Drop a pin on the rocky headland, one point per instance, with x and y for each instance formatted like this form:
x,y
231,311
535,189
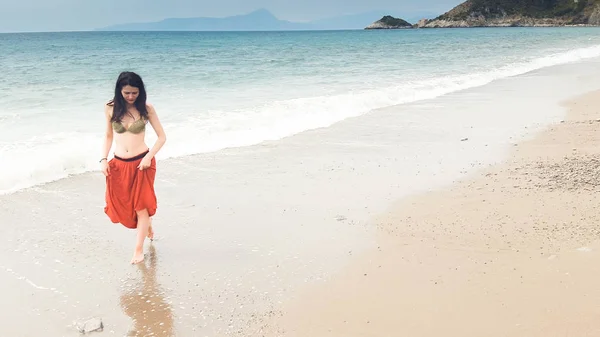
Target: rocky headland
x,y
507,13
389,22
518,13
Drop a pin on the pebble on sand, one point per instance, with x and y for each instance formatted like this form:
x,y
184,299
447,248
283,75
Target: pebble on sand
x,y
91,325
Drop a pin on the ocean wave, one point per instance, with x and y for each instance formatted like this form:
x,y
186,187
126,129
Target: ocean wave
x,y
43,159
279,119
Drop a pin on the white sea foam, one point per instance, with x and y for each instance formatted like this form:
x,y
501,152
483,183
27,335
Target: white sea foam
x,y
25,163
279,119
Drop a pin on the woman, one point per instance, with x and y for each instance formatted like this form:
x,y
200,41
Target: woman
x,y
130,197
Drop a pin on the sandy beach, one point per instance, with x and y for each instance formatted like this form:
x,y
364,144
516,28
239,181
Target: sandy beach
x,y
512,250
469,214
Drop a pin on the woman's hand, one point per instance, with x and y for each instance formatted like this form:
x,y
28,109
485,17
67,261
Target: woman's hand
x,y
146,162
104,167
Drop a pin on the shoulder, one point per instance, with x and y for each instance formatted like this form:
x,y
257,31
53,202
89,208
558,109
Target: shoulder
x,y
108,108
150,108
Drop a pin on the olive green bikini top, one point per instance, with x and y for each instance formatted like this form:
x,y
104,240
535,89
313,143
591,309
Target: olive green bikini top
x,y
135,127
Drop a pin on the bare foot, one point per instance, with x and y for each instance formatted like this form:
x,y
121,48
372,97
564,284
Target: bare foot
x,y
138,257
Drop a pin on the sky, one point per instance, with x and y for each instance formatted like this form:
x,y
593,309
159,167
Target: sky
x,y
66,15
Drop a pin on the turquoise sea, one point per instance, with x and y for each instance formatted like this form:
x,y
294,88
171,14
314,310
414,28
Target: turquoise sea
x,y
216,90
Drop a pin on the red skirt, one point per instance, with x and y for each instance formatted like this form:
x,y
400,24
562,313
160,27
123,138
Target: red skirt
x,y
129,190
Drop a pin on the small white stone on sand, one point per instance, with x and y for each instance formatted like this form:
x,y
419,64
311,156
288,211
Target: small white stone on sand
x,y
91,325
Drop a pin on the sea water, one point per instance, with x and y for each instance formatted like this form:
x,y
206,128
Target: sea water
x,y
216,90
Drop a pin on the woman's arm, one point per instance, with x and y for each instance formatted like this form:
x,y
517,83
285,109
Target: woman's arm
x,y
108,139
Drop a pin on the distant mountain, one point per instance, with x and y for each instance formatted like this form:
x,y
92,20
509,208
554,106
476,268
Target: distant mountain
x,y
261,20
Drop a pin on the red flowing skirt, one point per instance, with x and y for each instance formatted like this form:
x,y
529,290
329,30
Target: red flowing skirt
x,y
129,189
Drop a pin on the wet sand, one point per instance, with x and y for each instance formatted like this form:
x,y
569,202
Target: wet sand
x,y
241,233
514,250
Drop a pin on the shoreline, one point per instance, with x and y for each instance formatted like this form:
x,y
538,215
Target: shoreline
x,y
510,250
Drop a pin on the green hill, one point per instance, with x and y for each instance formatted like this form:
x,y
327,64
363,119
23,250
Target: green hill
x,y
520,13
389,22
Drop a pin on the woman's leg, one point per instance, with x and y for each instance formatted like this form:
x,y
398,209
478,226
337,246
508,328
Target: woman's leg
x,y
150,231
142,231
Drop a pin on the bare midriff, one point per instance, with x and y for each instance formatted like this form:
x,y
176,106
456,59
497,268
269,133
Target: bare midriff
x,y
129,144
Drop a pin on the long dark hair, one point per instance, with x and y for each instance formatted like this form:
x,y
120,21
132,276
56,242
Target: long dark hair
x,y
118,102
